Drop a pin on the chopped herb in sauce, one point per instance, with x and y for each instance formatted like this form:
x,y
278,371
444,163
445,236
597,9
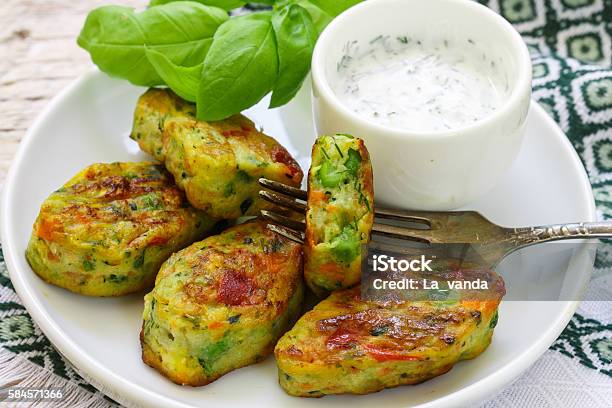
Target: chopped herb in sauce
x,y
425,85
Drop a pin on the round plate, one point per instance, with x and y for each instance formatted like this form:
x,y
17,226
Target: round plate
x,y
90,122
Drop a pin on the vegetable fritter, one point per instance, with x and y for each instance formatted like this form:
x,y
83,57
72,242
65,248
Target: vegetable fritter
x,y
154,107
340,212
107,231
218,164
348,345
222,304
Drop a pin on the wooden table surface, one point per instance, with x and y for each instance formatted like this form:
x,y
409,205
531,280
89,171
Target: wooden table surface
x,y
38,58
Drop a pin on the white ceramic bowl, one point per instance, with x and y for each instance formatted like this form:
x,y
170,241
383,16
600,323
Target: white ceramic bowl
x,y
435,170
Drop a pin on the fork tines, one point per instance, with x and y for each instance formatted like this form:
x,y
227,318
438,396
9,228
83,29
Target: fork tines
x,y
283,188
287,233
283,201
287,197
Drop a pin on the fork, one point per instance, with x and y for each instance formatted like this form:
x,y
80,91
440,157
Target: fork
x,y
490,241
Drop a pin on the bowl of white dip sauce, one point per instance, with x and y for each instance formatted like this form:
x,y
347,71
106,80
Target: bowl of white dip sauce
x,y
438,89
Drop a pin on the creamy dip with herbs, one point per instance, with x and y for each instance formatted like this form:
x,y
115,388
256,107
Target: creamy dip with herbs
x,y
420,86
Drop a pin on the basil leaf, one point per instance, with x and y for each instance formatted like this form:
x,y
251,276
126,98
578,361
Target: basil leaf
x,y
334,7
116,37
182,80
224,4
295,38
320,18
240,68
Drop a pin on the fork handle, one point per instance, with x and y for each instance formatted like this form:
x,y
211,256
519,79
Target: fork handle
x,y
582,230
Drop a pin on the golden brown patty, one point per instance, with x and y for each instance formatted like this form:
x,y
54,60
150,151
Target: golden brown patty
x,y
349,345
107,230
218,164
221,304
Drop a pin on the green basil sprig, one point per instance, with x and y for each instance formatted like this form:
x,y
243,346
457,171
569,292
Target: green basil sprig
x,y
224,4
117,37
334,7
224,64
183,81
240,68
295,37
319,17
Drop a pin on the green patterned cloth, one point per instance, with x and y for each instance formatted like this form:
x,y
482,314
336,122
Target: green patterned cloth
x,y
571,46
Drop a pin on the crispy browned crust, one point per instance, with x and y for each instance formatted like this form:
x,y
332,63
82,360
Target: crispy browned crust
x,y
247,271
218,163
349,345
91,235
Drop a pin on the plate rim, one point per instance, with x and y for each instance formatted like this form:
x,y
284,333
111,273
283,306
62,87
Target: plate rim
x,y
125,391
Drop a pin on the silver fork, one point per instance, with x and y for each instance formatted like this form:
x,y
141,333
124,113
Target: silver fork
x,y
490,241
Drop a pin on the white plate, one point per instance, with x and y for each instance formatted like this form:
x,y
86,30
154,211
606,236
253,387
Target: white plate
x,y
90,121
